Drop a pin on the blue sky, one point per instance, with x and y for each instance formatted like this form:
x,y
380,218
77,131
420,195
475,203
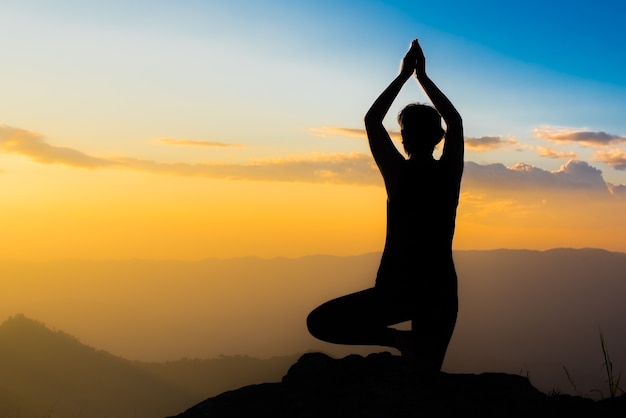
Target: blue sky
x,y
523,63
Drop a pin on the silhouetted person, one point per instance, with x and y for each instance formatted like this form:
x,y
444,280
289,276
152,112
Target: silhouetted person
x,y
416,279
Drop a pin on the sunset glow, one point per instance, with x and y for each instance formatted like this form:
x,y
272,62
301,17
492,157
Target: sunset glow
x,y
181,131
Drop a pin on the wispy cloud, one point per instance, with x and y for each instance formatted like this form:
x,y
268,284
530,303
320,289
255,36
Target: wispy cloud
x,y
32,145
195,143
329,131
341,168
487,143
353,168
615,158
584,137
483,143
552,153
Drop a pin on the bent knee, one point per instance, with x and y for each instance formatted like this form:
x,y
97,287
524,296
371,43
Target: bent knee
x,y
314,324
319,326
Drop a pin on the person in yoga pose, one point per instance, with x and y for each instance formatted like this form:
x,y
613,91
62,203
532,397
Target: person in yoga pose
x,y
416,280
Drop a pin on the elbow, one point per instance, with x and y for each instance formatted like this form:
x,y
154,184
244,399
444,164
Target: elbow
x,y
454,121
371,119
455,117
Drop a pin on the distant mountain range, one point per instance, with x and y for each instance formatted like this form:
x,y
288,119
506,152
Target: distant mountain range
x,y
538,312
535,313
47,373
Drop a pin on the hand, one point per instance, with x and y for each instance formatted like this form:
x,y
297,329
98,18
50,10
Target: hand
x,y
408,65
420,60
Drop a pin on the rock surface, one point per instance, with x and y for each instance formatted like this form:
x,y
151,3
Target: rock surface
x,y
381,386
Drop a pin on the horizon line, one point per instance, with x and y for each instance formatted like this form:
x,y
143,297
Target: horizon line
x,y
282,257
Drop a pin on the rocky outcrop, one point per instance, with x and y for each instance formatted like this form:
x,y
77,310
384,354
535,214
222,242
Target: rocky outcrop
x,y
380,385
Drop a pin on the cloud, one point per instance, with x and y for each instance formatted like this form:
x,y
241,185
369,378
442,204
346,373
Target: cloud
x,y
615,158
486,206
617,189
579,175
327,131
195,143
573,175
552,153
588,138
483,143
487,143
32,146
354,168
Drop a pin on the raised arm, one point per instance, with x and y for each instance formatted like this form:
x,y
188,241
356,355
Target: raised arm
x,y
386,155
453,147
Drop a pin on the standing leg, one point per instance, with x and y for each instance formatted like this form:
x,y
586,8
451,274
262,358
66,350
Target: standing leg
x,y
430,334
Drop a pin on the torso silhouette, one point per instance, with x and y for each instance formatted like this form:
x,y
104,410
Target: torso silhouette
x,y
421,212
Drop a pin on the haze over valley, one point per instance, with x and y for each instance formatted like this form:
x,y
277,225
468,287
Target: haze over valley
x,y
527,312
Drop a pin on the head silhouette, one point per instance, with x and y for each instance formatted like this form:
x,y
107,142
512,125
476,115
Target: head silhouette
x,y
420,126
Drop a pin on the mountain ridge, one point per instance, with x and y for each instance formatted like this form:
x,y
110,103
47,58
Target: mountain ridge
x,y
47,372
57,371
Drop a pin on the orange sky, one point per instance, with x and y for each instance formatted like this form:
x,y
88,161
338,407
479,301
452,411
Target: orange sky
x,y
61,212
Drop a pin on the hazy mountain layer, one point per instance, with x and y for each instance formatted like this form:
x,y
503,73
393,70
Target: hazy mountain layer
x,y
527,312
50,373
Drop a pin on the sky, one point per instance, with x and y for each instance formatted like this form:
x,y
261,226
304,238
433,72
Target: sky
x,y
191,129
